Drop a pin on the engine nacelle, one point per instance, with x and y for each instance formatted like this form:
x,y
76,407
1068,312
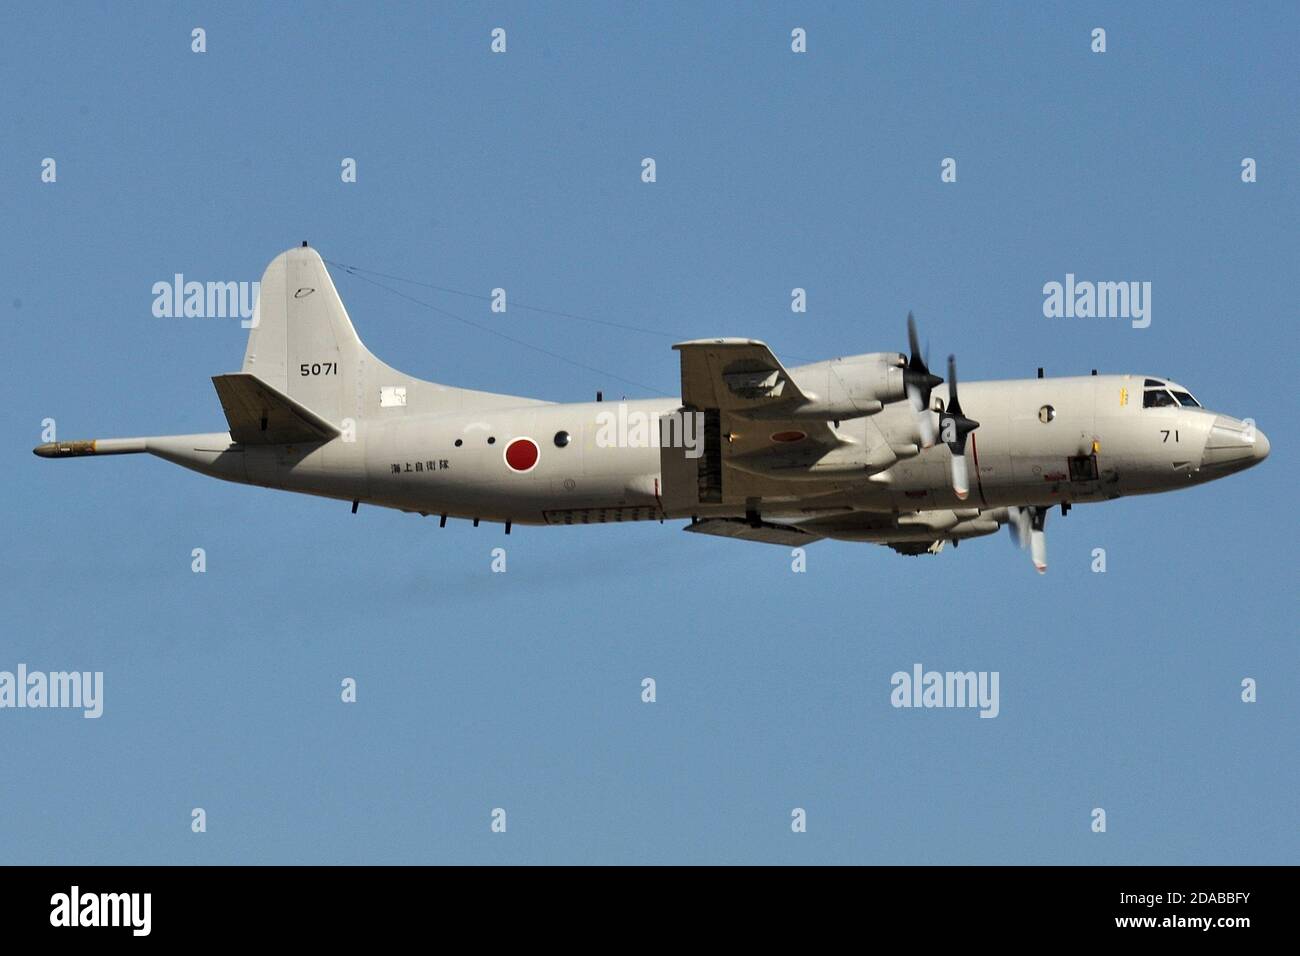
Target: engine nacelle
x,y
847,387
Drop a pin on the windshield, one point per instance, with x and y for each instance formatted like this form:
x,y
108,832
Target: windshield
x,y
1157,398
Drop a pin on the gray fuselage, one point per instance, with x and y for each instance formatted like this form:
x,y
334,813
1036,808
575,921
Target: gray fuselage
x,y
455,464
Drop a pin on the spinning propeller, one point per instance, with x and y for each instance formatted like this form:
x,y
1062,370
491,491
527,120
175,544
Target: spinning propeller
x,y
1026,527
953,429
919,382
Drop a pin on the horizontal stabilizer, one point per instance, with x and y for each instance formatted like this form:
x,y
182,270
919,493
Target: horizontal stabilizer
x,y
260,415
765,531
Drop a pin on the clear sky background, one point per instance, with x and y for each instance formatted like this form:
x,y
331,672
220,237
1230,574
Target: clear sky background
x,y
522,690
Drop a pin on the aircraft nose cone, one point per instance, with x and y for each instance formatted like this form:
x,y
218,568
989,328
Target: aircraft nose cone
x,y
1233,445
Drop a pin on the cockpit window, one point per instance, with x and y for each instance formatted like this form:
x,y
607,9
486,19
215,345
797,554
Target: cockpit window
x,y
1157,398
1185,399
1154,383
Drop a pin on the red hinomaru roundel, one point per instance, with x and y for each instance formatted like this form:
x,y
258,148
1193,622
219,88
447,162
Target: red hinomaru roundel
x,y
522,454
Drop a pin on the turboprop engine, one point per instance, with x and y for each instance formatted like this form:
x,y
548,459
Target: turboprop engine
x,y
844,388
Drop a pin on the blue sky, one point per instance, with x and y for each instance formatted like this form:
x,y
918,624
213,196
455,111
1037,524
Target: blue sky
x,y
522,690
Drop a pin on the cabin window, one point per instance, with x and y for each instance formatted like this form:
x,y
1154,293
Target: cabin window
x,y
1157,398
561,439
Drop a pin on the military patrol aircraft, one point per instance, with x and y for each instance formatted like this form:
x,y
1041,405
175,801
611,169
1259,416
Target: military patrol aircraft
x,y
858,448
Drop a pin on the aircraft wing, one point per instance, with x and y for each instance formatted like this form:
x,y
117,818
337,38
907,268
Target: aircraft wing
x,y
735,375
765,531
756,446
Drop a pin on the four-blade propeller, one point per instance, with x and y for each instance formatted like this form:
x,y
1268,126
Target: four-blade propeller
x,y
1025,524
953,429
1027,528
919,382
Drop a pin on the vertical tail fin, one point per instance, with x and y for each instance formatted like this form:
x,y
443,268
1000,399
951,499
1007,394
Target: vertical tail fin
x,y
302,342
303,345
